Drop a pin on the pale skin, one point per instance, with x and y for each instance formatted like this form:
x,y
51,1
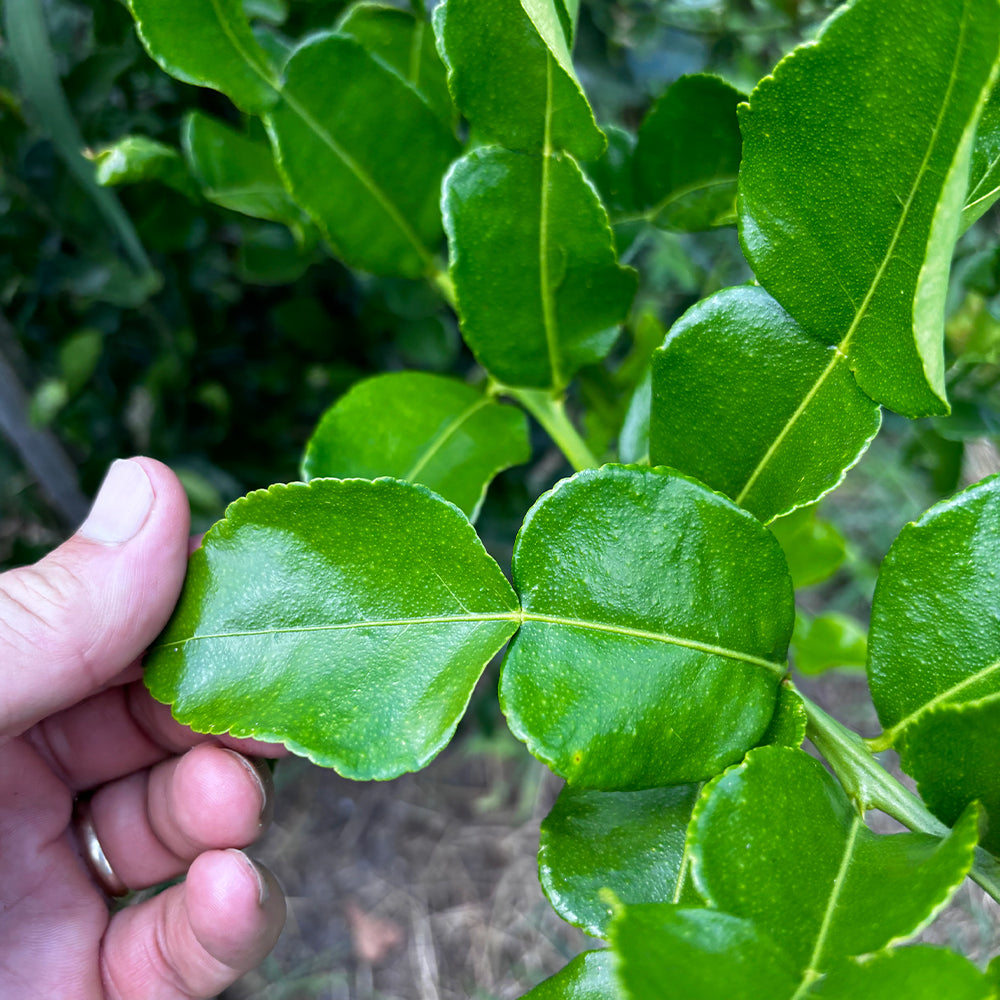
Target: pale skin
x,y
75,719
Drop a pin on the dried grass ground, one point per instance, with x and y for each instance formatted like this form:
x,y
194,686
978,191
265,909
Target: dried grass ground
x,y
423,888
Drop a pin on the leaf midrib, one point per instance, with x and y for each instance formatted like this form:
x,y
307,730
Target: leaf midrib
x,y
548,305
449,431
362,175
812,971
840,352
891,735
518,617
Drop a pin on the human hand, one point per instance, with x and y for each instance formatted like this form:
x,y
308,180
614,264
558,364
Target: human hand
x,y
75,718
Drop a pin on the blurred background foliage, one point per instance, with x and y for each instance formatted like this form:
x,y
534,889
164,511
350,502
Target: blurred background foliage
x,y
220,357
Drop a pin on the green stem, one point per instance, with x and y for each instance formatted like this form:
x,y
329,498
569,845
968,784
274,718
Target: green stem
x,y
872,787
441,280
550,412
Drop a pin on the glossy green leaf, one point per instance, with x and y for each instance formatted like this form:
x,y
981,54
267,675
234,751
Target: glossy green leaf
x,y
629,842
137,158
612,174
664,951
511,75
644,659
952,751
788,724
813,547
917,973
587,977
340,154
747,402
422,428
934,637
849,208
209,45
775,840
539,288
235,171
984,172
688,155
406,43
827,641
348,620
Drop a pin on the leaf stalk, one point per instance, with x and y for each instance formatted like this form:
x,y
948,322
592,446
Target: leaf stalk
x,y
550,412
870,786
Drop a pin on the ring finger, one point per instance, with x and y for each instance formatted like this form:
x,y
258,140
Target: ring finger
x,y
153,824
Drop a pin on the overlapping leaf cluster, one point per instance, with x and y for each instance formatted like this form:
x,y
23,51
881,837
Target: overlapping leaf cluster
x,y
648,624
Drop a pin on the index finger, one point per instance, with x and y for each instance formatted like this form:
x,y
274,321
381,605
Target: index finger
x,y
121,730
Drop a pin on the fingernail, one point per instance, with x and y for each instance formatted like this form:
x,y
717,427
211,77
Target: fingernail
x,y
121,506
261,774
263,893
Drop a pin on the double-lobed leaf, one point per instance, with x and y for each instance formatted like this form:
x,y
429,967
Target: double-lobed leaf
x,y
666,951
628,843
511,75
984,171
849,209
423,428
236,171
350,619
209,45
406,43
588,977
934,651
539,288
339,153
643,659
662,950
687,157
746,401
776,841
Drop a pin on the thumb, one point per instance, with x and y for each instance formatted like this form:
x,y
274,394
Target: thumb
x,y
86,611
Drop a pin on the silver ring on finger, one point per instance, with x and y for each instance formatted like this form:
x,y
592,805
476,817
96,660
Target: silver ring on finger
x,y
93,852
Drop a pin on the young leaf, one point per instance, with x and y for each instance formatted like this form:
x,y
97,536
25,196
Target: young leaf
x,y
984,173
629,842
747,402
587,977
933,637
348,620
826,641
511,75
951,751
341,155
644,659
236,172
137,158
664,951
849,209
688,155
422,428
209,45
406,43
917,973
539,288
775,840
